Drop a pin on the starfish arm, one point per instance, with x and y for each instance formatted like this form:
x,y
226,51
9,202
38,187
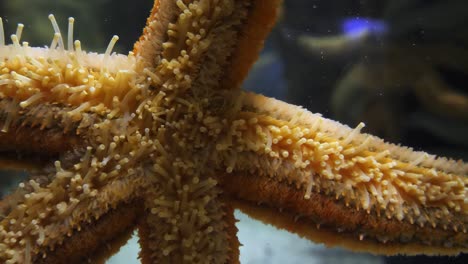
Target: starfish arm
x,y
188,224
95,242
350,184
35,135
203,46
50,97
53,214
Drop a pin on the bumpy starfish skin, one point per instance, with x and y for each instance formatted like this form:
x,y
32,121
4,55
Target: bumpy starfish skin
x,y
163,140
344,181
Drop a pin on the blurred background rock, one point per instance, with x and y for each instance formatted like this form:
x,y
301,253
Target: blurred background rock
x,y
401,66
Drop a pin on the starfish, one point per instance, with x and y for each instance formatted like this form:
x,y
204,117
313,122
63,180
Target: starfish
x,y
163,140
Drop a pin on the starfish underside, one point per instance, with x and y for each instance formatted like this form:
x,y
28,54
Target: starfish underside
x,y
163,140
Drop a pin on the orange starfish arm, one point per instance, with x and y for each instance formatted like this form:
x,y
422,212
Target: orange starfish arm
x,y
256,23
195,240
31,137
96,241
351,185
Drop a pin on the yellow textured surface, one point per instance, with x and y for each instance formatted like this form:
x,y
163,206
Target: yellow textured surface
x,y
165,124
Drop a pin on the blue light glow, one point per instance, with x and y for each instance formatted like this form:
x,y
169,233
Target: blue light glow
x,y
356,26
